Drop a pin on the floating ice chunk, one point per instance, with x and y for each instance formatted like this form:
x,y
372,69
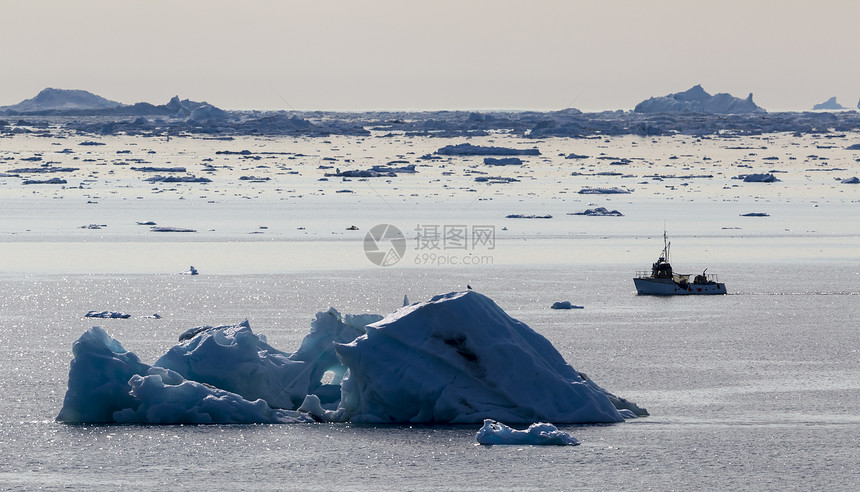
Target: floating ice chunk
x,y
106,314
854,180
170,229
151,169
493,433
755,214
503,161
522,216
178,179
44,181
758,178
469,149
598,212
564,305
495,179
588,190
43,170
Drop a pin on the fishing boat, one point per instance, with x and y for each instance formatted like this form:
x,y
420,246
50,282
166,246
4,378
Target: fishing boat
x,y
662,281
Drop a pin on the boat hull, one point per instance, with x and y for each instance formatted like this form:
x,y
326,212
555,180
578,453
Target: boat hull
x,y
667,287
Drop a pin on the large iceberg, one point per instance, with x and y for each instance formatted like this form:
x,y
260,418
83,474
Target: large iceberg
x,y
458,358
697,100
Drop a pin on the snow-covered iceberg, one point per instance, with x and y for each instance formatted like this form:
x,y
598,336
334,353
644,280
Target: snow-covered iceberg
x,y
457,358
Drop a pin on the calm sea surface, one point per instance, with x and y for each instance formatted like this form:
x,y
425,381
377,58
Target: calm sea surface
x,y
758,389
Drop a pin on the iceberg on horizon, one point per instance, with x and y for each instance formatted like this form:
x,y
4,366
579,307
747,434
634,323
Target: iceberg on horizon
x,y
828,104
455,359
697,100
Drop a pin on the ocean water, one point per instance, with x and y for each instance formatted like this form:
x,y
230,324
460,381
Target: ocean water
x,y
758,389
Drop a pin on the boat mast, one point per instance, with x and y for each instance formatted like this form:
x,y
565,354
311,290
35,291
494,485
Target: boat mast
x,y
666,245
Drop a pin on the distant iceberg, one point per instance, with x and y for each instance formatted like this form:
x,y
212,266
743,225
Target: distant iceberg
x,y
697,100
457,358
829,104
61,100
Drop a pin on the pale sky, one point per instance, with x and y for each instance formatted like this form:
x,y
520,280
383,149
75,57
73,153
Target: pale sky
x,y
407,55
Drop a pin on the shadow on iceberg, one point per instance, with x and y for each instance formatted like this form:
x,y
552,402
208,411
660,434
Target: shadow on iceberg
x,y
456,359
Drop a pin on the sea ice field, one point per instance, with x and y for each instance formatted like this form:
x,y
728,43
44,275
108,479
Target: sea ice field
x,y
756,389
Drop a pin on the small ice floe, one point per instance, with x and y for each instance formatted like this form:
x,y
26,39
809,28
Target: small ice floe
x,y
537,434
589,190
94,226
469,149
191,271
153,316
495,179
503,161
178,179
151,169
407,169
43,170
853,147
107,314
44,181
352,228
522,216
147,223
598,212
565,305
362,173
576,156
755,214
758,178
853,180
170,229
